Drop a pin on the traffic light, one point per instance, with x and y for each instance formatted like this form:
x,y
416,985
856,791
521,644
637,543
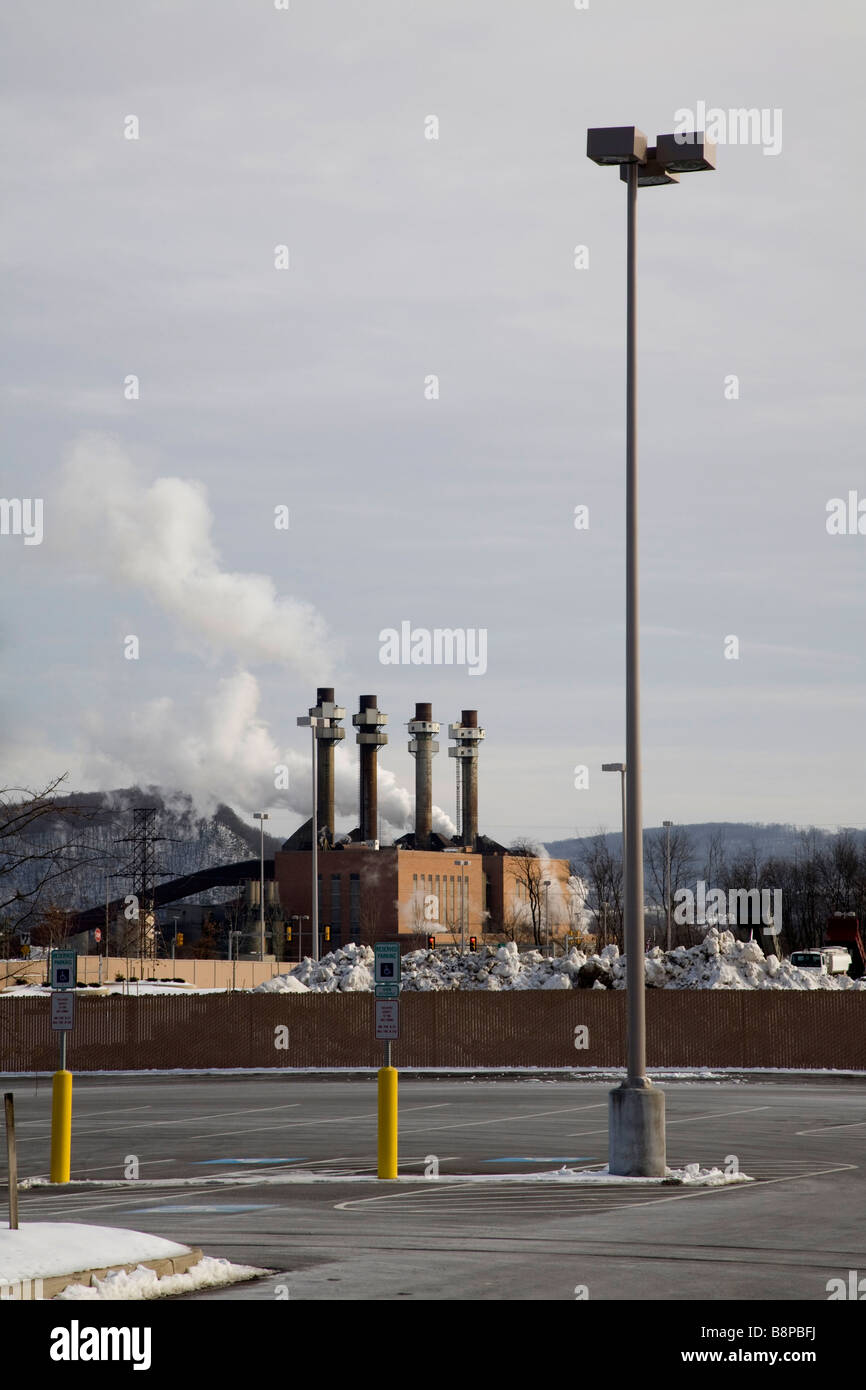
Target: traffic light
x,y
327,933
473,943
180,938
288,933
431,943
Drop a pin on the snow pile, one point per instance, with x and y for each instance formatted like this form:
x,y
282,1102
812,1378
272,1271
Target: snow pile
x,y
693,1175
144,1283
720,961
349,969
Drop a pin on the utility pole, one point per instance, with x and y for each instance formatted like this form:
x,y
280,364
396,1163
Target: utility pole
x,y
262,816
667,825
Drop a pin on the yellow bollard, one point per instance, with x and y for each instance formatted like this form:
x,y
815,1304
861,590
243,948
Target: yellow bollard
x,y
387,1122
61,1126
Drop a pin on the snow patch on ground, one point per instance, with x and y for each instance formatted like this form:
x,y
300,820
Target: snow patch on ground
x,y
693,1176
143,1283
46,1249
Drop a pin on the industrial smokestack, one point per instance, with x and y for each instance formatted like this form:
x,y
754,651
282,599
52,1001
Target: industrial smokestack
x,y
423,747
326,738
368,721
467,736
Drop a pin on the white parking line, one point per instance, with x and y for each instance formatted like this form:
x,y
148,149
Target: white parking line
x,y
306,1124
828,1129
79,1132
687,1120
505,1119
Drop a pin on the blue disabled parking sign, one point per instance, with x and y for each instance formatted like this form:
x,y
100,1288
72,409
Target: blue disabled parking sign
x,y
63,970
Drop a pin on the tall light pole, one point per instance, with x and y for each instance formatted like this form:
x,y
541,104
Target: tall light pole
x,y
667,825
463,864
637,1114
262,816
315,722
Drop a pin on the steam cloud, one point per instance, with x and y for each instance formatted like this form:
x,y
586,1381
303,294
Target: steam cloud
x,y
224,752
157,539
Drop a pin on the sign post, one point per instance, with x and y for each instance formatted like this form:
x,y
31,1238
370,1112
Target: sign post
x,y
63,976
11,1158
386,978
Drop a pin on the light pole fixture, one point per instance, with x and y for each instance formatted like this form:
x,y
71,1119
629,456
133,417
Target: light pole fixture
x,y
463,863
667,827
637,1113
315,722
262,816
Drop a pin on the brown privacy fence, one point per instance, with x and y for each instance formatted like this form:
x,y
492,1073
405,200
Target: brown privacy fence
x,y
742,1028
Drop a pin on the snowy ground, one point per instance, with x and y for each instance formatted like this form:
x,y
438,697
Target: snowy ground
x,y
720,961
44,1249
51,1249
136,987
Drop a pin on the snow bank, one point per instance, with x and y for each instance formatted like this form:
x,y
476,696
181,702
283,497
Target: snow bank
x,y
720,961
45,1249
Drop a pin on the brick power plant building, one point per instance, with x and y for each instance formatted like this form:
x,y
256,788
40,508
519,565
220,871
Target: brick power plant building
x,y
412,889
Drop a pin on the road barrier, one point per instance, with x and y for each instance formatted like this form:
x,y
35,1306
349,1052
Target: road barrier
x,y
536,1028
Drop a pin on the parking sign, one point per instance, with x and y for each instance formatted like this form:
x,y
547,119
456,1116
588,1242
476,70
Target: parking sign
x,y
387,963
63,969
387,1019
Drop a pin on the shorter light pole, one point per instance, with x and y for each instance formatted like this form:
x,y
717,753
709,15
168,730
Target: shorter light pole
x,y
261,817
463,864
234,937
174,942
621,769
547,911
667,825
300,917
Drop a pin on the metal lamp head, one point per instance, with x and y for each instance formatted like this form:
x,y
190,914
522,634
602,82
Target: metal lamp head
x,y
652,173
620,144
687,152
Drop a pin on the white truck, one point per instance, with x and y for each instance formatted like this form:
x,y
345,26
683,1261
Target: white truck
x,y
830,960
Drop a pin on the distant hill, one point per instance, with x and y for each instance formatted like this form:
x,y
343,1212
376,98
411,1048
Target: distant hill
x,y
190,843
737,837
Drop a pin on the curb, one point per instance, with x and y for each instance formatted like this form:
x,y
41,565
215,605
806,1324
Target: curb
x,y
49,1288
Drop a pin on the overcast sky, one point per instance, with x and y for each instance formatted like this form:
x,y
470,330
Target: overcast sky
x,y
304,387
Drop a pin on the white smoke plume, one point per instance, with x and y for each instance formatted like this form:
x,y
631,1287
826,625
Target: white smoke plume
x,y
157,539
223,751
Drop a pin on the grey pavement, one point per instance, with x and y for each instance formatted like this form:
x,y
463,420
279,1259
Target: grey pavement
x,y
782,1236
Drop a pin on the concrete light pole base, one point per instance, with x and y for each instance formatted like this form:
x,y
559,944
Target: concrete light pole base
x,y
636,1136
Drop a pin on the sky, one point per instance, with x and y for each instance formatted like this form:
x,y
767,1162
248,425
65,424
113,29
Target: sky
x,y
297,347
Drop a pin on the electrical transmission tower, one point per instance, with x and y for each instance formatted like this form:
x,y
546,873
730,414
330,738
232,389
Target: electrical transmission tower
x,y
141,869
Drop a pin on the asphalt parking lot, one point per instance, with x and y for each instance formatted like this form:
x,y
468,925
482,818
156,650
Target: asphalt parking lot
x,y
272,1141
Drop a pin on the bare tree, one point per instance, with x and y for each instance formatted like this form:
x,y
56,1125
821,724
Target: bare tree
x,y
526,870
33,863
682,866
601,869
